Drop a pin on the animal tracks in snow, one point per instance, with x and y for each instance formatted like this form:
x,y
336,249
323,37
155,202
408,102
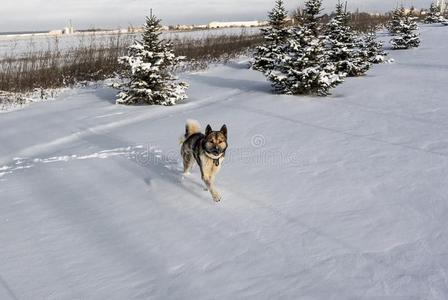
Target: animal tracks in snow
x,y
143,155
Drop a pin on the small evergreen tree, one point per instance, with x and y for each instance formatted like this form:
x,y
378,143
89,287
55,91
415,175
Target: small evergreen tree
x,y
275,36
147,78
372,49
406,38
344,46
434,15
304,67
395,24
312,10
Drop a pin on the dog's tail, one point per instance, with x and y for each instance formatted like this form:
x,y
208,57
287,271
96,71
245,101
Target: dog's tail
x,y
191,128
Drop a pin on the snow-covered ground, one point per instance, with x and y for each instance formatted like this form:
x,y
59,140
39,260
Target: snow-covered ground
x,y
343,197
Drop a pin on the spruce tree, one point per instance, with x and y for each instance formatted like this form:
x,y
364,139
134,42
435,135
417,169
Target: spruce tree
x,y
312,10
434,15
372,49
343,45
395,24
406,37
147,77
275,36
305,67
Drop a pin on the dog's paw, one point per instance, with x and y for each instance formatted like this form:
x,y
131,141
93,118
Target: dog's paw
x,y
217,198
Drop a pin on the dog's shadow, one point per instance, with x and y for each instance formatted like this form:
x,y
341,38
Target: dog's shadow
x,y
168,169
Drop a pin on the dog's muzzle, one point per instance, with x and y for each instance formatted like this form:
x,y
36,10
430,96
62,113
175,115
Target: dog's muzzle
x,y
215,151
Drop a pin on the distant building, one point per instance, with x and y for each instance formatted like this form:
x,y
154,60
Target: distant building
x,y
412,11
235,24
67,30
56,32
184,27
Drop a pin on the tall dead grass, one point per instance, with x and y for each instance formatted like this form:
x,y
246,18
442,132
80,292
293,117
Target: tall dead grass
x,y
53,68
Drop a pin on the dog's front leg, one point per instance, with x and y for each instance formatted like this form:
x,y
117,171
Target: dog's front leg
x,y
208,180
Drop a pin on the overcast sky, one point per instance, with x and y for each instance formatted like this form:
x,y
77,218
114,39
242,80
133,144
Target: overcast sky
x,y
26,15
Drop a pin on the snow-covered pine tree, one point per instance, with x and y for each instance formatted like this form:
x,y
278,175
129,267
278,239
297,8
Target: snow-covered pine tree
x,y
147,77
275,36
434,15
312,10
372,49
304,67
394,25
344,45
406,37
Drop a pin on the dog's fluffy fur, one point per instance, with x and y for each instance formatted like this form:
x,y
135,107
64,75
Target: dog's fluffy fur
x,y
208,150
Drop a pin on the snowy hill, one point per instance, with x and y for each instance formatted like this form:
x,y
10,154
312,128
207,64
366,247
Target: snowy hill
x,y
343,197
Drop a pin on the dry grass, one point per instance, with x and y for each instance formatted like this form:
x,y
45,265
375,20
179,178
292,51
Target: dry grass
x,y
364,22
214,49
359,21
53,68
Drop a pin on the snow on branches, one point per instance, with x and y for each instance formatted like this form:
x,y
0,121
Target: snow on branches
x,y
372,49
404,29
147,77
344,45
434,15
275,36
301,64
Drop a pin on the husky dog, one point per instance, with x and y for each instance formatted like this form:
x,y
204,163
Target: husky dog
x,y
207,149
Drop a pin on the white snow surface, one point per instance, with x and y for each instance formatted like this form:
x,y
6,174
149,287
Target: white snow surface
x,y
343,197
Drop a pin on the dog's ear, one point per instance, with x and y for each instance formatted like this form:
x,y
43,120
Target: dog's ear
x,y
208,129
224,130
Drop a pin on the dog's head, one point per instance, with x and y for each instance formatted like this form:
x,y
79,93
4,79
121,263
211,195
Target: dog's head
x,y
215,141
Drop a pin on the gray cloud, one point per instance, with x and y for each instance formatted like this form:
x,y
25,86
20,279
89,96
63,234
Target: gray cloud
x,y
50,14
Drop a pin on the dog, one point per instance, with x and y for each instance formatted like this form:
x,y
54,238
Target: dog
x,y
208,150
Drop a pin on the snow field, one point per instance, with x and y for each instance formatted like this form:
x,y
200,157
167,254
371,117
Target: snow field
x,y
342,197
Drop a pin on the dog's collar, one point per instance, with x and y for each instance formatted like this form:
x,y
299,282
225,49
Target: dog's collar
x,y
214,157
